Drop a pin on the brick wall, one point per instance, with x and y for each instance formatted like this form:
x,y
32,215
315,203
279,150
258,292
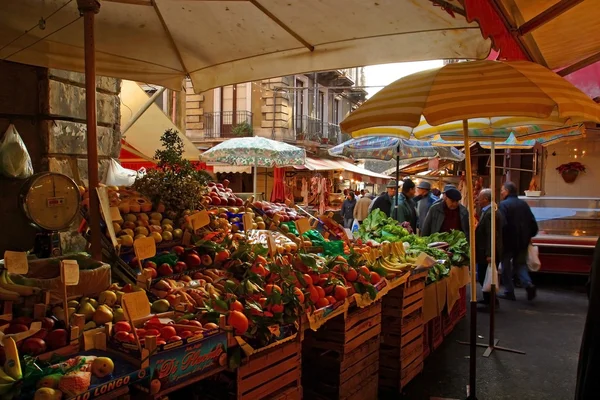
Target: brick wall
x,y
194,113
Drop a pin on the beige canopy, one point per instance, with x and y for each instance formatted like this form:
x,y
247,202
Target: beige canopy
x,y
222,42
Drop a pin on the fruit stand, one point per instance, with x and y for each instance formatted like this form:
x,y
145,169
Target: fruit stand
x,y
249,300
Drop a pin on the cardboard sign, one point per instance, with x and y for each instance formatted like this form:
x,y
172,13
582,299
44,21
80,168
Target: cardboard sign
x,y
115,214
69,272
247,221
271,244
144,248
136,305
16,262
187,238
200,219
102,192
303,226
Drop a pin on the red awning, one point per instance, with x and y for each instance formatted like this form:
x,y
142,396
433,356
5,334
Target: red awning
x,y
131,158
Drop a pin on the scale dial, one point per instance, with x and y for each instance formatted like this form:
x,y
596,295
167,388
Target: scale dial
x,y
50,201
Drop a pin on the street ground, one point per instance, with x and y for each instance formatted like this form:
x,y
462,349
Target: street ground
x,y
548,329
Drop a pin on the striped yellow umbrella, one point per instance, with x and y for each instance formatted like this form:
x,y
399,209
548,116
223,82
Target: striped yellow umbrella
x,y
484,92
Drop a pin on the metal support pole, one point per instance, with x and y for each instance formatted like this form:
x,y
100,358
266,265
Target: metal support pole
x,y
142,110
89,9
395,208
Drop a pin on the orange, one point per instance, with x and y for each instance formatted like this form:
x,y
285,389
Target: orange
x,y
364,271
277,308
323,302
314,293
260,260
236,306
259,269
222,256
298,293
321,291
331,299
340,293
375,277
238,321
351,275
307,279
270,288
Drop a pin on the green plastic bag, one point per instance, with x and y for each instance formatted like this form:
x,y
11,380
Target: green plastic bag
x,y
291,227
170,259
335,248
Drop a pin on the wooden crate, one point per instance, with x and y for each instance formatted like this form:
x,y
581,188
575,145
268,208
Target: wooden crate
x,y
426,345
341,360
272,374
436,334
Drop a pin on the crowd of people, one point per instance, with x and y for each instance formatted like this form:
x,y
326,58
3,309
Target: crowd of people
x,y
427,211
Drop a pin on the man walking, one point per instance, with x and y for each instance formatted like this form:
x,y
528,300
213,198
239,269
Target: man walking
x,y
424,200
447,215
483,239
520,227
385,200
407,211
361,210
347,210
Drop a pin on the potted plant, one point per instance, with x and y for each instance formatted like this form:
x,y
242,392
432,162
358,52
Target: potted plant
x,y
243,130
570,171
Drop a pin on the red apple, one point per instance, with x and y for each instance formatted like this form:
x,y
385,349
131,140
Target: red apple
x,y
122,326
173,339
47,323
179,250
22,320
151,272
41,334
122,336
33,346
186,334
165,269
128,288
57,338
150,264
152,332
180,266
193,261
16,328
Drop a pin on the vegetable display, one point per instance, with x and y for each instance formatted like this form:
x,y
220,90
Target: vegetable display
x,y
379,227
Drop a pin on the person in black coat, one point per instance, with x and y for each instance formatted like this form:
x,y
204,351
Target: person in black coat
x,y
588,370
385,200
483,239
520,227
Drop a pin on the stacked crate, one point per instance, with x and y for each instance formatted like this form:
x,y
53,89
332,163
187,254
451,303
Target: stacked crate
x,y
341,359
401,349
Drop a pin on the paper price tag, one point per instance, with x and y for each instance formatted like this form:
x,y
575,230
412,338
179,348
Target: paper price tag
x,y
70,272
271,244
144,248
136,305
115,214
102,192
200,219
187,238
303,226
16,262
247,221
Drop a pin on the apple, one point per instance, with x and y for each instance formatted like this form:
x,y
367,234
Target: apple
x,y
193,261
16,328
179,250
33,346
41,334
122,326
22,320
186,334
152,332
122,336
141,332
165,269
150,264
151,272
173,339
57,338
180,266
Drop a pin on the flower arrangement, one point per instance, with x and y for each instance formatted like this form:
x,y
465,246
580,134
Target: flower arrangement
x,y
571,166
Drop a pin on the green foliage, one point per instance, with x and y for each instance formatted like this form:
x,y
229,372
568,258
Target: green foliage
x,y
379,227
175,182
243,130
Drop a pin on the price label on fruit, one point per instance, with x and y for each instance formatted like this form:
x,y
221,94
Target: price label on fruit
x,y
200,219
70,272
16,262
115,214
136,305
271,244
247,221
144,248
303,226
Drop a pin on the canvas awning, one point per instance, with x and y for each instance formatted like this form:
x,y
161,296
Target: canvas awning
x,y
143,137
347,170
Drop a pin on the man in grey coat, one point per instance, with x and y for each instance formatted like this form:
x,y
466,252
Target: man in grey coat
x,y
424,199
447,215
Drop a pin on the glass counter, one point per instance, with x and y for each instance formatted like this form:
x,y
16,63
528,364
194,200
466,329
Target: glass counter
x,y
568,230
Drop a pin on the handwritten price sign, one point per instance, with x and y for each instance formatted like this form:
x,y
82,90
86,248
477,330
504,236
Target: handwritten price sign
x,y
144,248
200,219
16,262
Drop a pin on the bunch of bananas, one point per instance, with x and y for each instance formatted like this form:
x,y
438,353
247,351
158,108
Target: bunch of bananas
x,y
11,291
11,372
392,258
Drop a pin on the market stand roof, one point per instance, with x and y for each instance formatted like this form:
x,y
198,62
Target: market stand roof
x,y
217,43
349,170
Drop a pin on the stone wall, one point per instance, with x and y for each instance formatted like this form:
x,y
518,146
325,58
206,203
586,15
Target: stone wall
x,y
48,109
276,109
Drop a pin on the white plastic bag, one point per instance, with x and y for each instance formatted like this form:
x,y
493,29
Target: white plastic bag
x,y
14,157
487,282
354,228
119,176
533,258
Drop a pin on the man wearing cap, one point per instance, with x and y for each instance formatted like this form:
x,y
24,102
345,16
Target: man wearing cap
x,y
407,211
385,200
424,200
447,215
446,188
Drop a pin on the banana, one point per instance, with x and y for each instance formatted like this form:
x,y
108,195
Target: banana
x,y
8,295
20,289
12,365
5,378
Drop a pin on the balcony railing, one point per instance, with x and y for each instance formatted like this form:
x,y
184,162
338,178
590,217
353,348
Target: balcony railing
x,y
316,130
223,124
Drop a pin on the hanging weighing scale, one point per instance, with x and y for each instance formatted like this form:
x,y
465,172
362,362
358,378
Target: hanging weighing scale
x,y
51,203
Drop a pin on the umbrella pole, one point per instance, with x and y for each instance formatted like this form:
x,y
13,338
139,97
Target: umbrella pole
x,y
395,216
89,8
255,181
493,342
473,327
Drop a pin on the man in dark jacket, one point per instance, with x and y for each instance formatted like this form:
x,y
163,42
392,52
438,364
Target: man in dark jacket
x,y
588,370
424,200
407,211
447,215
520,227
385,200
483,238
347,210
